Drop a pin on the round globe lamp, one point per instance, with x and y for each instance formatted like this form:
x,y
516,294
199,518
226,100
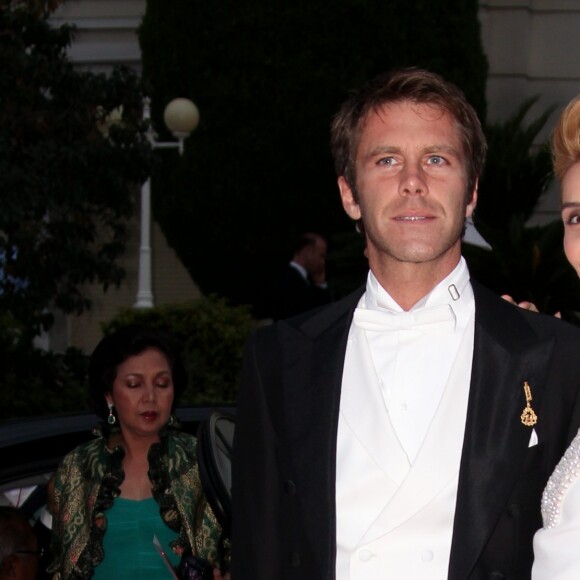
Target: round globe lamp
x,y
181,117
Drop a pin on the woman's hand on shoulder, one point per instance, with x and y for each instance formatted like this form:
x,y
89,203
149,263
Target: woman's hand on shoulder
x,y
524,304
217,575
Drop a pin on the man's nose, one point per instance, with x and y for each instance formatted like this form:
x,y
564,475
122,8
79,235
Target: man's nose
x,y
413,180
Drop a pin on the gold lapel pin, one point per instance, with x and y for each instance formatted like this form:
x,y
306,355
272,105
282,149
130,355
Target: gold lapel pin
x,y
528,417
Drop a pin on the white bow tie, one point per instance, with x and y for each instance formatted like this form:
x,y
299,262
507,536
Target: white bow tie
x,y
437,320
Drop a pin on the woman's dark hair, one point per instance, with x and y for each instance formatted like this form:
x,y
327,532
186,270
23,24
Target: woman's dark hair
x,y
116,348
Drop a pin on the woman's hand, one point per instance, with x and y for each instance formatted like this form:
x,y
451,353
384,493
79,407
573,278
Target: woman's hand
x,y
217,575
525,304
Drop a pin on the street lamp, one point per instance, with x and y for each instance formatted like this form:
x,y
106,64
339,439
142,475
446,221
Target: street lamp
x,y
181,117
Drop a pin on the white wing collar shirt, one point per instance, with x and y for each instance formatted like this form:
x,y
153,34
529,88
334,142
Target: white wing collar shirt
x,y
402,370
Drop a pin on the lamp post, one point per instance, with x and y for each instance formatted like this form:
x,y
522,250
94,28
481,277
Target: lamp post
x,y
181,117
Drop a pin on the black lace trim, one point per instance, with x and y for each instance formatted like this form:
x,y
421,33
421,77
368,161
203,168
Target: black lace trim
x,y
111,479
160,475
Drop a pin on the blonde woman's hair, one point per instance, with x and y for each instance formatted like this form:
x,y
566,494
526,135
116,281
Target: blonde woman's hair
x,y
566,139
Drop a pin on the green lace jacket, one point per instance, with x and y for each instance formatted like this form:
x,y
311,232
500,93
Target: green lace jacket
x,y
87,483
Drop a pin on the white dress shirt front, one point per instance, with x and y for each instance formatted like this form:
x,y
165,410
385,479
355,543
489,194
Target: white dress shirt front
x,y
397,458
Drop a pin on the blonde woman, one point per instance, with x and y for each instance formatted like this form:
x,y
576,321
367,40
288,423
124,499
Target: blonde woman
x,y
557,544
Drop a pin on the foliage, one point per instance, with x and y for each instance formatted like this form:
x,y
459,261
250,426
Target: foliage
x,y
517,171
212,334
267,79
35,382
526,262
66,176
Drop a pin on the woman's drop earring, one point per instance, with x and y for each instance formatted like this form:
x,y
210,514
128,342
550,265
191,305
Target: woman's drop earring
x,y
111,419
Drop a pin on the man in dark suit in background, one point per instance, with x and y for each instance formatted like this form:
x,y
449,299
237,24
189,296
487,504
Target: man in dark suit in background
x,y
303,285
406,431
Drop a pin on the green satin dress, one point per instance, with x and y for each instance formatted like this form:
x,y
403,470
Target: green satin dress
x,y
128,542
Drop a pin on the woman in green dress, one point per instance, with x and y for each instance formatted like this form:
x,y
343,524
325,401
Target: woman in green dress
x,y
129,504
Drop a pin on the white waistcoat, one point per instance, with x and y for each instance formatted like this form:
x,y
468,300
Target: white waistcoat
x,y
394,519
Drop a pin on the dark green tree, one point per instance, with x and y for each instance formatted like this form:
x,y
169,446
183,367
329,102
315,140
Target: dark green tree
x,y
517,171
67,177
267,78
68,180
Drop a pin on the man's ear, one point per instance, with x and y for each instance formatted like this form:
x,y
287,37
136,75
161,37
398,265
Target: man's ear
x,y
349,203
470,208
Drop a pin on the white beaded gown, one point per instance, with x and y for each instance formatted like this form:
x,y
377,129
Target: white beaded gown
x,y
557,544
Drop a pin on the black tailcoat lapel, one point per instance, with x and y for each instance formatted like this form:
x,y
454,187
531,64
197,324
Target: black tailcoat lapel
x,y
507,352
312,382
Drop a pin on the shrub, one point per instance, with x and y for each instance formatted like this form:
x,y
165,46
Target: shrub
x,y
212,334
35,382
